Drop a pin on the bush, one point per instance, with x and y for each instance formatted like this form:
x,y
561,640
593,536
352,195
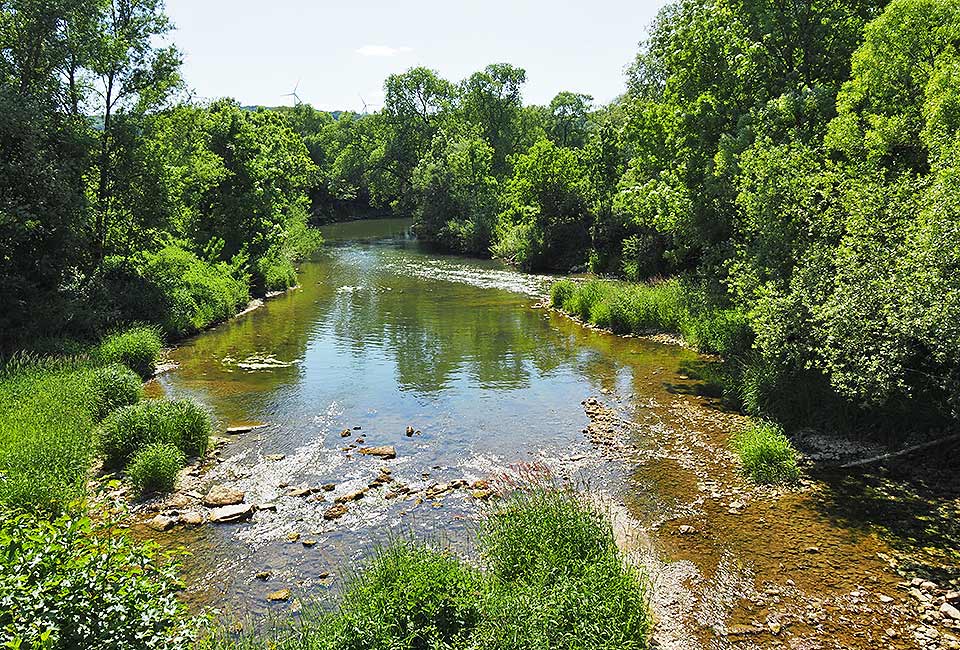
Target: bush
x,y
112,387
171,287
275,273
155,467
560,293
70,583
137,348
766,454
126,431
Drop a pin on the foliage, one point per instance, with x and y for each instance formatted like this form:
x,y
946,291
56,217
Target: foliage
x,y
766,454
545,222
181,423
155,467
137,348
112,387
554,578
70,583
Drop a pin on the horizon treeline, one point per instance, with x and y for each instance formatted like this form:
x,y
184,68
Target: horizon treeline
x,y
792,162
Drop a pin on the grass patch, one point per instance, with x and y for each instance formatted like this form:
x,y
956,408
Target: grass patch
x,y
155,467
69,583
113,387
47,411
670,306
137,348
766,454
180,423
550,576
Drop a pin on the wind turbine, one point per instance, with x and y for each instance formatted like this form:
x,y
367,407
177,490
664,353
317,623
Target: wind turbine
x,y
364,104
296,97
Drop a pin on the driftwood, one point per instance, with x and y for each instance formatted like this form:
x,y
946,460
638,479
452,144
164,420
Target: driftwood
x,y
902,452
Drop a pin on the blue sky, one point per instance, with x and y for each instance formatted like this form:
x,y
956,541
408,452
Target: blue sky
x,y
255,51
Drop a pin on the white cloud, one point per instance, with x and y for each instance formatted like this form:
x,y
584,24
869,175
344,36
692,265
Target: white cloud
x,y
382,50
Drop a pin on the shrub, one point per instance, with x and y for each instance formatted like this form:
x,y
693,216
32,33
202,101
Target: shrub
x,y
766,454
126,431
560,292
155,467
137,348
112,387
70,583
275,273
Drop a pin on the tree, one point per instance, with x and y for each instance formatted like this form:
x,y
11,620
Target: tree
x,y
567,120
491,100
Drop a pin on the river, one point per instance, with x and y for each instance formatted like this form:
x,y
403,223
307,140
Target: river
x,y
382,335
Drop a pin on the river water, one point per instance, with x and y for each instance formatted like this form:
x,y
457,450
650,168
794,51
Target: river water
x,y
383,335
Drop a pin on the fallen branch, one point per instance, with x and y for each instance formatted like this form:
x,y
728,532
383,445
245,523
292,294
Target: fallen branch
x,y
903,452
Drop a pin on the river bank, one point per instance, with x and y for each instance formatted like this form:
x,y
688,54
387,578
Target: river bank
x,y
383,337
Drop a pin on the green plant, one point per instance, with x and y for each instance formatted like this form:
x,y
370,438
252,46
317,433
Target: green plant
x,y
113,386
155,467
275,272
70,583
766,454
137,348
181,423
560,292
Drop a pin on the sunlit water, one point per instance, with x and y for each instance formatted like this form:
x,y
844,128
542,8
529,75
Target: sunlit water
x,y
384,335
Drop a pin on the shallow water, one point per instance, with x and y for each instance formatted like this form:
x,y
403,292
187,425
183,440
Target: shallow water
x,y
382,335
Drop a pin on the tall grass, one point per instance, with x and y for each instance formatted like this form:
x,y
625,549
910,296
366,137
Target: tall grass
x,y
137,348
766,454
180,423
669,306
550,576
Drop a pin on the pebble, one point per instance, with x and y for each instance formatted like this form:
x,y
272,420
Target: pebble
x,y
309,543
949,611
686,530
275,457
263,575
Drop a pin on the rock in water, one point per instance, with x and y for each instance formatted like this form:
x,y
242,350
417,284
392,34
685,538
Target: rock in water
x,y
380,452
221,495
191,518
280,594
228,514
161,523
335,512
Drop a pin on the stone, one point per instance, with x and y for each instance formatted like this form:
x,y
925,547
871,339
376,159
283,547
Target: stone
x,y
380,452
346,433
949,611
481,494
263,575
162,523
228,514
335,512
479,485
928,586
221,495
329,487
292,537
272,507
309,543
300,492
952,597
410,431
774,627
238,430
686,530
885,598
191,518
279,595
812,550
275,457
178,501
350,496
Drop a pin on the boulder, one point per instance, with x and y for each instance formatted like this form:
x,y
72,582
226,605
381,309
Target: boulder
x,y
221,495
380,452
335,512
279,595
162,523
228,514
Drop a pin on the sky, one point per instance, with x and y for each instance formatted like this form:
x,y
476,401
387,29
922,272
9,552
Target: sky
x,y
341,51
